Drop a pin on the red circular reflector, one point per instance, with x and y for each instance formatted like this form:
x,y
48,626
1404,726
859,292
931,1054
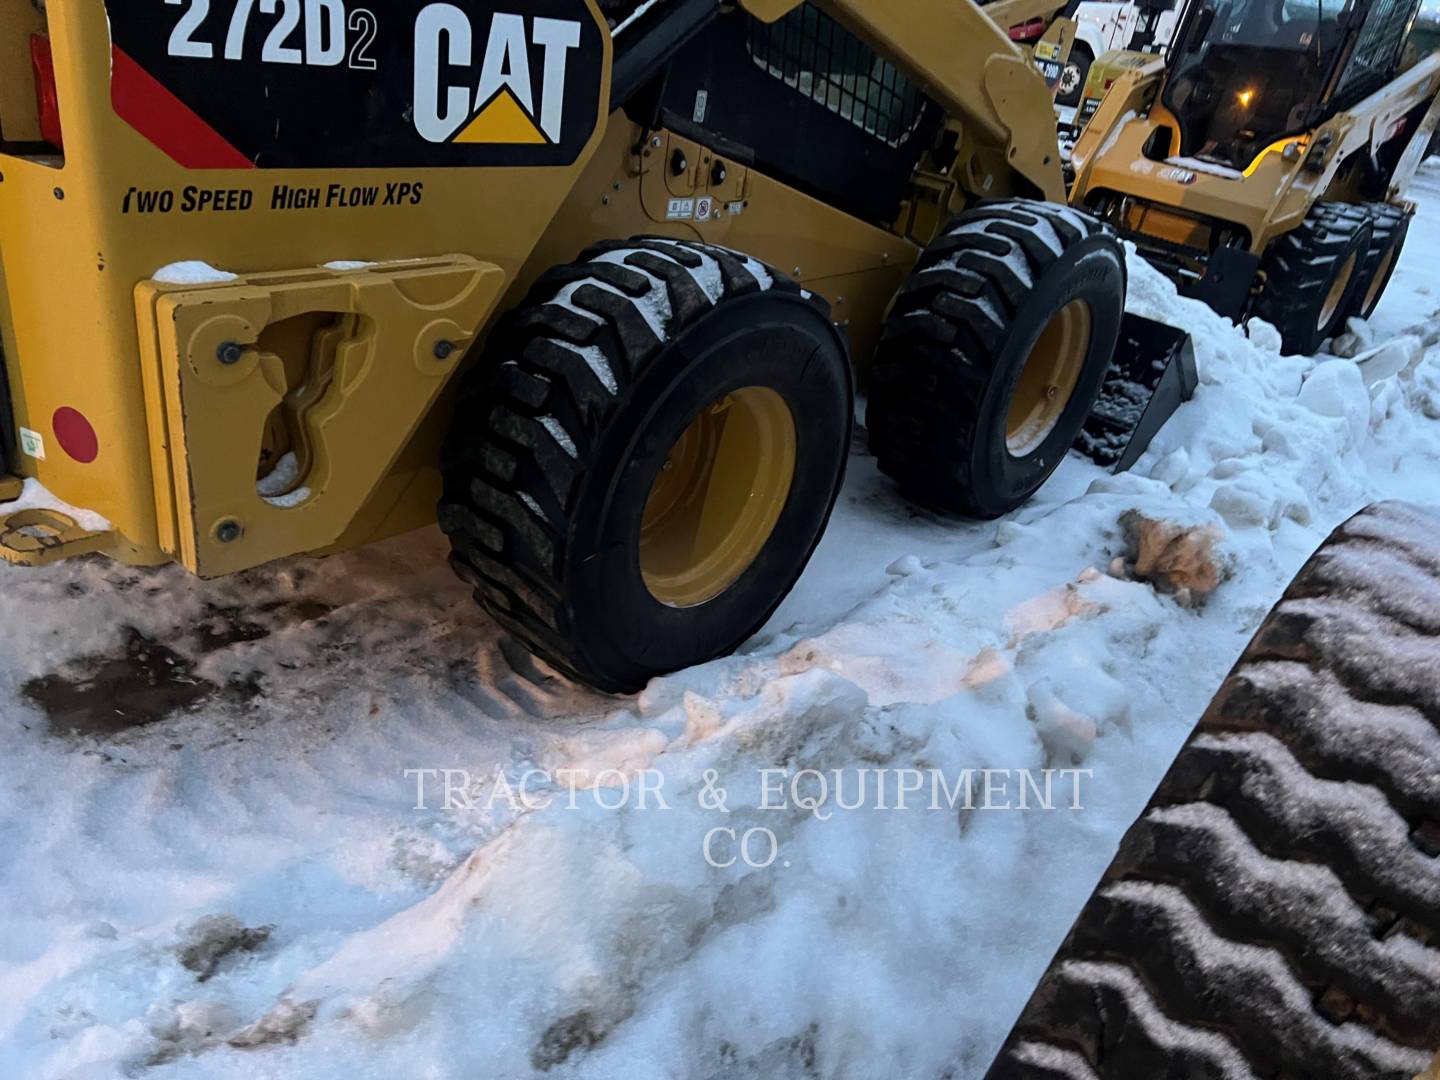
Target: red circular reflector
x,y
75,435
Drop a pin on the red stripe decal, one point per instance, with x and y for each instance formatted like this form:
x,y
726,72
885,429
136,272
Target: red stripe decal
x,y
146,105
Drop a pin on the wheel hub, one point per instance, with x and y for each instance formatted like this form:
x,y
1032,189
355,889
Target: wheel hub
x,y
1048,379
717,497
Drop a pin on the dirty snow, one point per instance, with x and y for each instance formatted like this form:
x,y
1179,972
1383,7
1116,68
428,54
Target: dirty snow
x,y
264,834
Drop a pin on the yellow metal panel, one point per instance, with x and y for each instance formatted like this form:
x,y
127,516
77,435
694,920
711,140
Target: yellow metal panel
x,y
19,120
352,394
74,245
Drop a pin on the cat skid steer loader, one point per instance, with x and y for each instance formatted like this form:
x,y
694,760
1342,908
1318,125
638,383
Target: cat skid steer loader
x,y
282,278
1263,162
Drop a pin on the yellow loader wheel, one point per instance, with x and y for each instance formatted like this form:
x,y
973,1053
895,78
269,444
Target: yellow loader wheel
x,y
1275,911
1389,226
1312,276
994,354
645,459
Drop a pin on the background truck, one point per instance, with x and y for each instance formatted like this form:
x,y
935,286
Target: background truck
x,y
1101,27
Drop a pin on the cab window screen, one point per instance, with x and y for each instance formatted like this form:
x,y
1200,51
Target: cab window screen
x,y
1377,50
810,52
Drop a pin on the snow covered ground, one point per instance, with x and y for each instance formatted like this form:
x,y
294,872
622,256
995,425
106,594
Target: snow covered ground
x,y
243,887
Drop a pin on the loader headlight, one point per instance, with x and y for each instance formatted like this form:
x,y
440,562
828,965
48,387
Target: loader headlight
x,y
1245,97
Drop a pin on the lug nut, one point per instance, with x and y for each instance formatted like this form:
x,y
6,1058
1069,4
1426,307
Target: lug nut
x,y
444,350
229,531
229,353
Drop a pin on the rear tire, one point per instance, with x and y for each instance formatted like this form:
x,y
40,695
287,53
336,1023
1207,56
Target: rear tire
x,y
994,354
645,459
1312,275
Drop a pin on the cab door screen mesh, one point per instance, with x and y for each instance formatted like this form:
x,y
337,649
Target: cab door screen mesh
x,y
813,54
1377,50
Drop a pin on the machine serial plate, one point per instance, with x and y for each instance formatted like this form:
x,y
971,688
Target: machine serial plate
x,y
286,84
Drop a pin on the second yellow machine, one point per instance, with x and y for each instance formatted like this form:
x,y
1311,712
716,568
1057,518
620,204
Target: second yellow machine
x,y
1263,161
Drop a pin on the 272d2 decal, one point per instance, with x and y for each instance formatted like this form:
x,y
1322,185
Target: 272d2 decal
x,y
285,84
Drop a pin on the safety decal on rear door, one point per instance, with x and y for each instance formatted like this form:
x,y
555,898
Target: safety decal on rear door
x,y
294,84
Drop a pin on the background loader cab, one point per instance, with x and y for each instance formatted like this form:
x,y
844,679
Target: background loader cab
x,y
1251,72
1262,163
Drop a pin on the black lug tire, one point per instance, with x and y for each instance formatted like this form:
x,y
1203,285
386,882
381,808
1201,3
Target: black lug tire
x,y
562,428
1300,268
956,341
1389,226
1080,60
1275,911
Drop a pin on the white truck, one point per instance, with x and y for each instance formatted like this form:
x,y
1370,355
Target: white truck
x,y
1101,26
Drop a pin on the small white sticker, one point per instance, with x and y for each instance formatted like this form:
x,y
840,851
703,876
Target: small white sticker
x,y
702,105
32,444
735,208
705,209
681,209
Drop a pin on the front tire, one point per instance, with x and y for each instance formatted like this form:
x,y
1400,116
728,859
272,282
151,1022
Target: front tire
x,y
644,461
994,354
1389,226
1312,275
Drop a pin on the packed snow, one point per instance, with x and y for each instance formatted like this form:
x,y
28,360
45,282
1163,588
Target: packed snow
x,y
213,864
36,496
193,272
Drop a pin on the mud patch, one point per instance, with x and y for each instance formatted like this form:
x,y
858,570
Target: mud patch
x,y
580,1031
222,627
109,693
216,939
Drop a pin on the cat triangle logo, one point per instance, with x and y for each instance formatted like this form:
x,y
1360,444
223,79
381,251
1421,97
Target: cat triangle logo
x,y
513,92
502,120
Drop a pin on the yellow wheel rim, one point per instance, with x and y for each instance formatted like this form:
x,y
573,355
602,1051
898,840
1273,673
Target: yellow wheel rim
x,y
1372,292
1337,291
718,497
1048,379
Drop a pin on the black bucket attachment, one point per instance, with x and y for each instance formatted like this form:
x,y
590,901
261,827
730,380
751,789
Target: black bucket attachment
x,y
1152,373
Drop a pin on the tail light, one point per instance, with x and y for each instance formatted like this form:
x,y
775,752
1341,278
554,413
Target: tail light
x,y
46,97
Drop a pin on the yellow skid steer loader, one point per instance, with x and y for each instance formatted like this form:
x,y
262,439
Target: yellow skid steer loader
x,y
283,277
1263,162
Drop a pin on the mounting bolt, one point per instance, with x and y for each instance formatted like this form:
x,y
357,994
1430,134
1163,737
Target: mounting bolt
x,y
444,350
228,531
60,194
229,353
